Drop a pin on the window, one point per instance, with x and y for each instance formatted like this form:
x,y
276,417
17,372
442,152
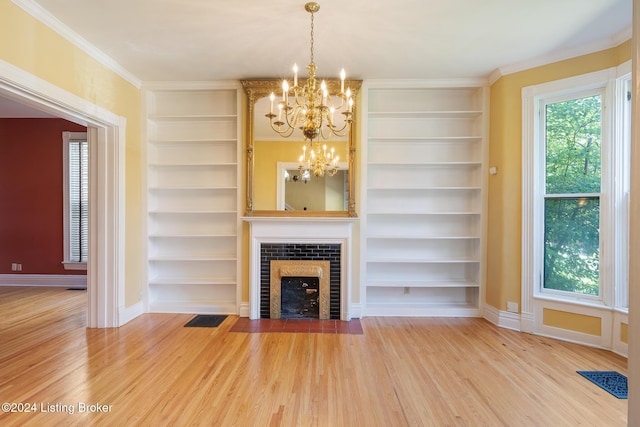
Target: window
x,y
76,200
575,190
572,173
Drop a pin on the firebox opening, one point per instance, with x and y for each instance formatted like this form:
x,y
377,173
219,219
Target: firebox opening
x,y
300,298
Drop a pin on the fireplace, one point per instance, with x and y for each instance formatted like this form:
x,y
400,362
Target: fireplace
x,y
279,260
300,239
299,289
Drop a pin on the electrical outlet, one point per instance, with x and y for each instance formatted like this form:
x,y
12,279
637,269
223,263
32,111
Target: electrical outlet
x,y
512,307
14,266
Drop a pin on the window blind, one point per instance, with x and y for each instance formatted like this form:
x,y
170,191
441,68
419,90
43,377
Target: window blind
x,y
78,200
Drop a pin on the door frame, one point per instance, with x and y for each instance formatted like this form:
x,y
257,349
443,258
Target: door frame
x,y
106,135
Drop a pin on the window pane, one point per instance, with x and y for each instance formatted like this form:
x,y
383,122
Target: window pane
x,y
573,135
571,245
78,200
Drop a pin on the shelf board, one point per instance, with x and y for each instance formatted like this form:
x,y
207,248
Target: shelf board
x,y
193,141
191,165
422,213
192,259
393,260
453,114
425,139
429,164
190,236
176,212
191,117
192,188
422,284
423,188
192,281
421,237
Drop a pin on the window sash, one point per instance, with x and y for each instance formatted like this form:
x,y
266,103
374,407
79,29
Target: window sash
x,y
545,196
76,200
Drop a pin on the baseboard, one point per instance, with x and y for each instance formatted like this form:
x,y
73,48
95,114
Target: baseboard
x,y
503,319
419,310
127,314
245,310
51,280
355,312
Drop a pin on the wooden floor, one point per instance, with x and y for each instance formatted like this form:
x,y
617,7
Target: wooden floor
x,y
400,372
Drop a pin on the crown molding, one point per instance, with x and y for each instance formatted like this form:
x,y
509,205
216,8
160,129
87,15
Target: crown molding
x,y
561,55
425,83
42,15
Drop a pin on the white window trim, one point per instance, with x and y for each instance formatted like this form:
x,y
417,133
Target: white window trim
x,y
622,154
66,138
612,244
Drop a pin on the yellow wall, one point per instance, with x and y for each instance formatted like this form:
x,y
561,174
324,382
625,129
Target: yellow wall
x,y
505,152
28,44
575,322
267,155
624,333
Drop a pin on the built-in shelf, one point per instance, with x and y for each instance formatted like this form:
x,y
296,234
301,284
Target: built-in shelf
x,y
193,199
425,114
423,199
190,118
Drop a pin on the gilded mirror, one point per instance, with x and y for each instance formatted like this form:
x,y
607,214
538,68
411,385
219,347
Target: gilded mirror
x,y
273,179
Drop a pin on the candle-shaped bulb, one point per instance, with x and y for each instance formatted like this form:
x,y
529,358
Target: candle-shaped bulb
x,y
295,75
342,77
348,92
350,104
271,98
285,89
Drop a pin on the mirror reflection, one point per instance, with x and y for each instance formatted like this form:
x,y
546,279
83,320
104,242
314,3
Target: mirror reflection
x,y
275,181
301,191
274,155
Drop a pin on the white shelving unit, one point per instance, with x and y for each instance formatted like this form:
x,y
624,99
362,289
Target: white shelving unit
x,y
193,198
424,198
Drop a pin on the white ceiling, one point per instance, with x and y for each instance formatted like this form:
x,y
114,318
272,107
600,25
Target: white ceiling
x,y
200,40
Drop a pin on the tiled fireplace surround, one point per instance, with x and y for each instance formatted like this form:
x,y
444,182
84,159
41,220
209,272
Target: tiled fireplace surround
x,y
277,238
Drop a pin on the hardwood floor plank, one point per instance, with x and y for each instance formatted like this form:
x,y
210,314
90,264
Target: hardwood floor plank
x,y
400,372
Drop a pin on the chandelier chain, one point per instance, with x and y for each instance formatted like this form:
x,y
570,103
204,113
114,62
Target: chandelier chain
x,y
312,37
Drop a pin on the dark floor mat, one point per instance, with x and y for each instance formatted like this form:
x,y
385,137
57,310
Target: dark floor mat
x,y
206,321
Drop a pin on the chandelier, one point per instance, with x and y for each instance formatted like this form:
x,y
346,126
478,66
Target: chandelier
x,y
310,107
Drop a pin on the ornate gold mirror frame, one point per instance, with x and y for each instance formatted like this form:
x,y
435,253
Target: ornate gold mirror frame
x,y
261,88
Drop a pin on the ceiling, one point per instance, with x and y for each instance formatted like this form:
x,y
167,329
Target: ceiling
x,y
200,40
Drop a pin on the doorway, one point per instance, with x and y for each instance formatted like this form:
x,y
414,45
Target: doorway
x,y
106,135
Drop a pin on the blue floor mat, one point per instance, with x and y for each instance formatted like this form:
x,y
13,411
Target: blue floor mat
x,y
613,382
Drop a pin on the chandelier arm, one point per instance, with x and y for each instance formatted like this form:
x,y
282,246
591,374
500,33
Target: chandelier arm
x,y
284,133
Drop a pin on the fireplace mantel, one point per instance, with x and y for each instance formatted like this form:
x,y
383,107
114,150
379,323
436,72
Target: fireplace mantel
x,y
300,230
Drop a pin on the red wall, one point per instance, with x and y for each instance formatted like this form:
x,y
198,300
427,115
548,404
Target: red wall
x,y
31,211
